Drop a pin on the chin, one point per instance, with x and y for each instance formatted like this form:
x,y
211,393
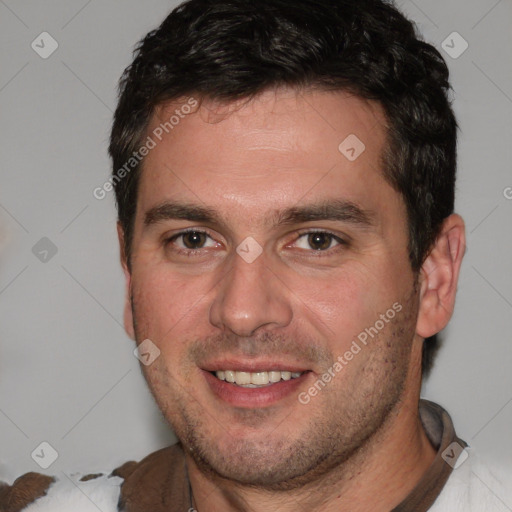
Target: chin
x,y
283,463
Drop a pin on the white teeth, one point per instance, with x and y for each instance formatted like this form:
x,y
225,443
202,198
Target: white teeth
x,y
242,378
255,379
259,378
274,376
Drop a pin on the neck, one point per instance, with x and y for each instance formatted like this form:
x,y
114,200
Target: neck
x,y
388,467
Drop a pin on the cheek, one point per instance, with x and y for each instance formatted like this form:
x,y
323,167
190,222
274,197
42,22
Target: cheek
x,y
348,302
166,305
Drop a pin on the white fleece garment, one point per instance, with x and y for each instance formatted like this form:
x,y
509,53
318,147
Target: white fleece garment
x,y
471,488
71,495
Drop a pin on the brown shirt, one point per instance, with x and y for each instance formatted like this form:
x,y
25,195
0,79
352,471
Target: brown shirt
x,y
441,433
159,482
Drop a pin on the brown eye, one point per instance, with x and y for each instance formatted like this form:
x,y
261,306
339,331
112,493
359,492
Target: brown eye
x,y
320,241
194,239
191,240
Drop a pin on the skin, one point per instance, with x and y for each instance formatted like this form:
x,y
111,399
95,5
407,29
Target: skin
x,y
360,437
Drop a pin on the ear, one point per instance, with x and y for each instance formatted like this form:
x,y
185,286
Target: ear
x,y
128,314
439,276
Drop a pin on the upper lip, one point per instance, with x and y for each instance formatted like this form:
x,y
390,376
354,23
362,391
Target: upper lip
x,y
253,366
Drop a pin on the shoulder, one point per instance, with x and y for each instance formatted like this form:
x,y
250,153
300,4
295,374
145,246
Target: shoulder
x,y
23,491
80,492
476,486
34,492
157,483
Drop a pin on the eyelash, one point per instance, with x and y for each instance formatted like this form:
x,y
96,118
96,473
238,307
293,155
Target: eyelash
x,y
317,253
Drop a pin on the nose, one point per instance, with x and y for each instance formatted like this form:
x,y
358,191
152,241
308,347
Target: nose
x,y
249,298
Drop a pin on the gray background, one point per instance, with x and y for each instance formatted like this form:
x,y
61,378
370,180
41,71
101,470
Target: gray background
x,y
67,372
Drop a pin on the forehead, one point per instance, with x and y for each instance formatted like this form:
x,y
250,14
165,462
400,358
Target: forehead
x,y
275,148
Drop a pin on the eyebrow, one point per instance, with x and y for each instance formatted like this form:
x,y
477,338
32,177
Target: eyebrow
x,y
333,210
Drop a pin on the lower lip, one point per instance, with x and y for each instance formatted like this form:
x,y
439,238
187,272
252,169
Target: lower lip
x,y
254,397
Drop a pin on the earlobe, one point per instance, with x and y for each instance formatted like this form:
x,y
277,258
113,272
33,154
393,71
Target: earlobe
x,y
439,277
127,313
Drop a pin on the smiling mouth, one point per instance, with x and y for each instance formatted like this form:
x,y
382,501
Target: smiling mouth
x,y
255,379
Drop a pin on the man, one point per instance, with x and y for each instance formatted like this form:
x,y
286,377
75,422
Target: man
x,y
284,175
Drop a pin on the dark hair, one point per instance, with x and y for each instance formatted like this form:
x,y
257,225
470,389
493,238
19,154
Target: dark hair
x,y
233,49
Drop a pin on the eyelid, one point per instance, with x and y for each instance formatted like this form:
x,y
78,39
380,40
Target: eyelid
x,y
300,232
305,231
181,232
188,230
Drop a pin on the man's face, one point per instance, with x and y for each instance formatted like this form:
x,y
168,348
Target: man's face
x,y
322,258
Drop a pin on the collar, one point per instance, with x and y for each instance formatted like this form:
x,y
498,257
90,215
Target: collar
x,y
441,433
160,483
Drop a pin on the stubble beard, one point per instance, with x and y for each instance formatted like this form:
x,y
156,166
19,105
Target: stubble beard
x,y
343,430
